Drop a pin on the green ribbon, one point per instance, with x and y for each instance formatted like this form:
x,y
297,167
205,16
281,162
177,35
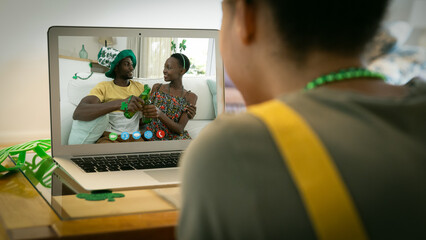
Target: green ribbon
x,y
35,172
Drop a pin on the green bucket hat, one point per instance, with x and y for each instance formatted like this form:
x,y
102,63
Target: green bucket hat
x,y
109,57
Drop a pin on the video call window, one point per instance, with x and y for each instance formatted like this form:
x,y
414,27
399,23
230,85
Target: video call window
x,y
79,73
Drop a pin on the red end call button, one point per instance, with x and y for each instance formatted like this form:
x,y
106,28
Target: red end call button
x,y
161,134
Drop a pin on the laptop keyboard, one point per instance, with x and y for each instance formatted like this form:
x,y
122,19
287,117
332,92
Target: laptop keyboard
x,y
127,162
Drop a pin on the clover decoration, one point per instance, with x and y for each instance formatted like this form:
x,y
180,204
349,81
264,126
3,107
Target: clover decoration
x,y
100,196
173,47
182,46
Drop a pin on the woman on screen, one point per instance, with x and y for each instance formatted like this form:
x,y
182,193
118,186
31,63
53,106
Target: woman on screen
x,y
172,105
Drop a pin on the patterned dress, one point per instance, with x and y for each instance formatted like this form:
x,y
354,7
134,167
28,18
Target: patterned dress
x,y
173,107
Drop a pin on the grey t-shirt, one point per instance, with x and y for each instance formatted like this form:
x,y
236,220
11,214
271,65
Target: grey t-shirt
x,y
236,186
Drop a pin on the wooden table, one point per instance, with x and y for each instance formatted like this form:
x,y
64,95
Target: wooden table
x,y
24,214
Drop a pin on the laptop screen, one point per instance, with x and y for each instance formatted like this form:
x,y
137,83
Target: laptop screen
x,y
80,65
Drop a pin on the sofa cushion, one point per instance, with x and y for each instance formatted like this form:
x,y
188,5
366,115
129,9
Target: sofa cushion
x,y
195,126
213,90
84,132
205,108
78,88
67,110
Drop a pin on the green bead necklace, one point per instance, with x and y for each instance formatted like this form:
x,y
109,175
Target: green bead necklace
x,y
343,74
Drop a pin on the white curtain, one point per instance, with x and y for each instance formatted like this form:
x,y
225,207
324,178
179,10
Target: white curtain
x,y
154,53
133,44
211,59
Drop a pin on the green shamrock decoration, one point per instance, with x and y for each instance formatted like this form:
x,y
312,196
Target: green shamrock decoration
x,y
173,47
182,45
100,195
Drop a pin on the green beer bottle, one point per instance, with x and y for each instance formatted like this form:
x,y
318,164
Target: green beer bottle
x,y
144,96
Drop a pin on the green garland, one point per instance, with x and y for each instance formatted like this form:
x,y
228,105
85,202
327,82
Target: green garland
x,y
82,78
35,172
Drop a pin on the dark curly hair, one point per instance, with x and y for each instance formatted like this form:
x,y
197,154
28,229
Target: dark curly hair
x,y
181,58
339,26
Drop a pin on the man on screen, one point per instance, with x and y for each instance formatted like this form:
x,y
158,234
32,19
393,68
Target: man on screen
x,y
114,97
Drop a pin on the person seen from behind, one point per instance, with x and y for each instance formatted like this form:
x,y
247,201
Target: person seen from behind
x,y
326,150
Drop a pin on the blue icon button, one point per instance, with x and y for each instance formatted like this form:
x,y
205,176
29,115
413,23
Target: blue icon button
x,y
136,135
148,134
125,135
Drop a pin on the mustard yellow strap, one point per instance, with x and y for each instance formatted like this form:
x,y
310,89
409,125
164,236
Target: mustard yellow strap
x,y
326,199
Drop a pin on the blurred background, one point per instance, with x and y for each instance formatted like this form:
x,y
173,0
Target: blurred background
x,y
398,51
24,94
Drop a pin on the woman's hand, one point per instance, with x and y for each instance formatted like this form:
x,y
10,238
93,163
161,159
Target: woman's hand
x,y
151,111
191,110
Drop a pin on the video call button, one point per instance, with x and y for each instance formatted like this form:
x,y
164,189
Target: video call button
x,y
125,136
148,134
161,134
113,136
136,135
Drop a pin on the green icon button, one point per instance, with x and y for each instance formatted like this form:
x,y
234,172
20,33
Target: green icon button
x,y
113,136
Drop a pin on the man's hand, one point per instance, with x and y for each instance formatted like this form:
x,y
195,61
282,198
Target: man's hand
x,y
135,104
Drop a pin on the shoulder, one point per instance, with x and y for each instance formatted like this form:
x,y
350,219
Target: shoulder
x,y
221,146
234,123
417,86
242,124
90,99
191,97
224,139
156,86
136,83
225,169
104,84
101,87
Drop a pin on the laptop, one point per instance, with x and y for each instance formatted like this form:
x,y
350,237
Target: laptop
x,y
74,70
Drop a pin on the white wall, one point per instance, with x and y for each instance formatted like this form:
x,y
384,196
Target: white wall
x,y
24,91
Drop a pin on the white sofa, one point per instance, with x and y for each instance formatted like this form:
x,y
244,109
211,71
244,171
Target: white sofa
x,y
73,90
